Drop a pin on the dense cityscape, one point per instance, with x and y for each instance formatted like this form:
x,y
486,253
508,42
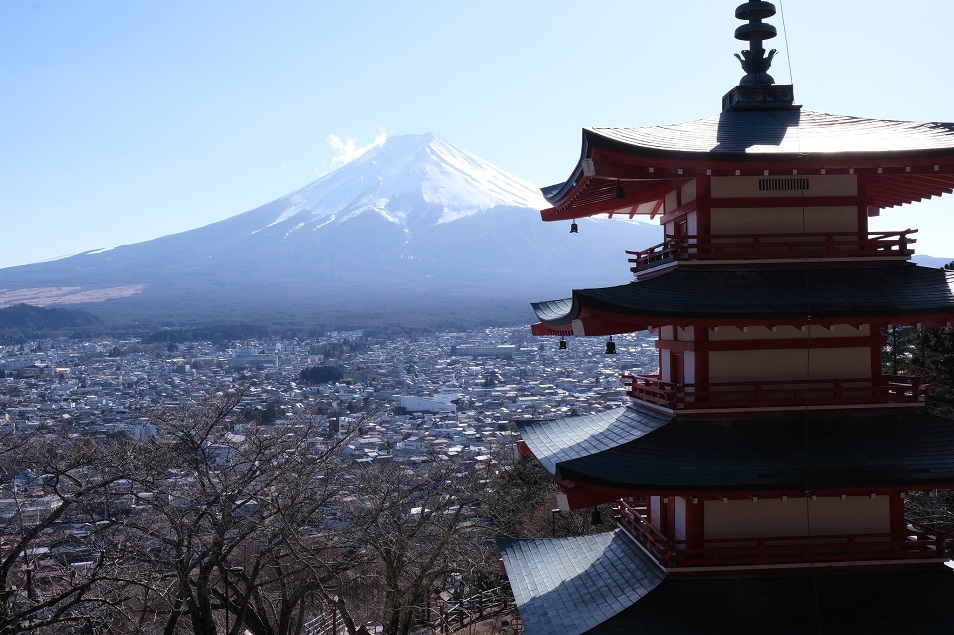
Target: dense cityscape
x,y
493,376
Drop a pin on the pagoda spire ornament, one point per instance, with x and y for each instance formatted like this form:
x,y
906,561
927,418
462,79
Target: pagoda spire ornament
x,y
757,90
754,61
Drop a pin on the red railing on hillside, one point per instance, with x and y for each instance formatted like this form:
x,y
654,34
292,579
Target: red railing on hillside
x,y
747,394
773,247
917,542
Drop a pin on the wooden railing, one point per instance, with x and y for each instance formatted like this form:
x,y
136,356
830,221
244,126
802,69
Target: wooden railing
x,y
917,542
773,247
746,394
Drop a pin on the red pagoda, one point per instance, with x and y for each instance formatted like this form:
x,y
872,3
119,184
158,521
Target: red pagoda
x,y
767,464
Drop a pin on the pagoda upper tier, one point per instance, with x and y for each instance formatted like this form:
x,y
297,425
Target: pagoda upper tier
x,y
631,170
898,293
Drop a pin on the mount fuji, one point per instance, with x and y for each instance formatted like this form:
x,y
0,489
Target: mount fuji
x,y
416,225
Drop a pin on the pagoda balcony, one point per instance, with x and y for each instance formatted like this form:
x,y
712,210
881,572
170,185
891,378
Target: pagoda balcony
x,y
887,389
772,247
915,543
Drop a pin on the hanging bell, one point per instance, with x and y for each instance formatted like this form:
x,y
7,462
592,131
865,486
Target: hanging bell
x,y
562,344
611,346
574,228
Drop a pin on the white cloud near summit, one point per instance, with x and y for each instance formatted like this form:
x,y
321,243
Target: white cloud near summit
x,y
348,149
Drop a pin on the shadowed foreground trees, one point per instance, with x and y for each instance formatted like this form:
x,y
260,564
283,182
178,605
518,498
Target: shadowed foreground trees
x,y
407,527
214,505
186,532
219,524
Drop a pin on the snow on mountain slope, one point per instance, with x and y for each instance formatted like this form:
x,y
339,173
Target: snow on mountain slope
x,y
401,180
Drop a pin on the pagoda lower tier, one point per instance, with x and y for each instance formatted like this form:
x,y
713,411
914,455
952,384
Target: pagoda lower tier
x,y
635,450
820,489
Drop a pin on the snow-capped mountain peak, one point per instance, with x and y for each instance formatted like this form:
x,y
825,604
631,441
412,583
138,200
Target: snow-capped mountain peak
x,y
410,179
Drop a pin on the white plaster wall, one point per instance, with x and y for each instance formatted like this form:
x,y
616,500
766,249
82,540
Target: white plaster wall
x,y
690,367
688,192
783,220
654,511
665,367
820,363
670,202
819,185
796,517
679,532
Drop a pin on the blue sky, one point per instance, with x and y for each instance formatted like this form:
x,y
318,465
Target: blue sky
x,y
128,120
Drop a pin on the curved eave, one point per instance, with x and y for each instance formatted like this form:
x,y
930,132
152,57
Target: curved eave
x,y
901,293
907,450
560,440
901,162
568,586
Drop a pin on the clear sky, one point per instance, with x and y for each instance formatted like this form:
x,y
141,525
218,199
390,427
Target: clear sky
x,y
125,120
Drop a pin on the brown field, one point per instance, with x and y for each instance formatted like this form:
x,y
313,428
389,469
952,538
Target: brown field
x,y
44,296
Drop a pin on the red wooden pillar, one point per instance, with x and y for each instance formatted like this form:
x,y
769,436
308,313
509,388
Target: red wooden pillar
x,y
695,518
896,513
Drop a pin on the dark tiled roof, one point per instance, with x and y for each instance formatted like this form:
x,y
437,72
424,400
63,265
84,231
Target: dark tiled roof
x,y
871,603
794,132
565,586
767,293
604,585
581,436
784,139
810,452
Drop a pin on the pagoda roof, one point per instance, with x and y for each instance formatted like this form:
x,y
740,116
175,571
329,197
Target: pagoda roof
x,y
819,451
582,436
884,602
750,295
902,161
794,132
570,585
603,584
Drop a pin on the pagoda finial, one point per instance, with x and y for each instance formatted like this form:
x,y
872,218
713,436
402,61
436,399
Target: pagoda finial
x,y
754,61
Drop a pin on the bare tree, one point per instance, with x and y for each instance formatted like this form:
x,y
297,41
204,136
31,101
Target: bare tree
x,y
405,530
215,504
62,556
